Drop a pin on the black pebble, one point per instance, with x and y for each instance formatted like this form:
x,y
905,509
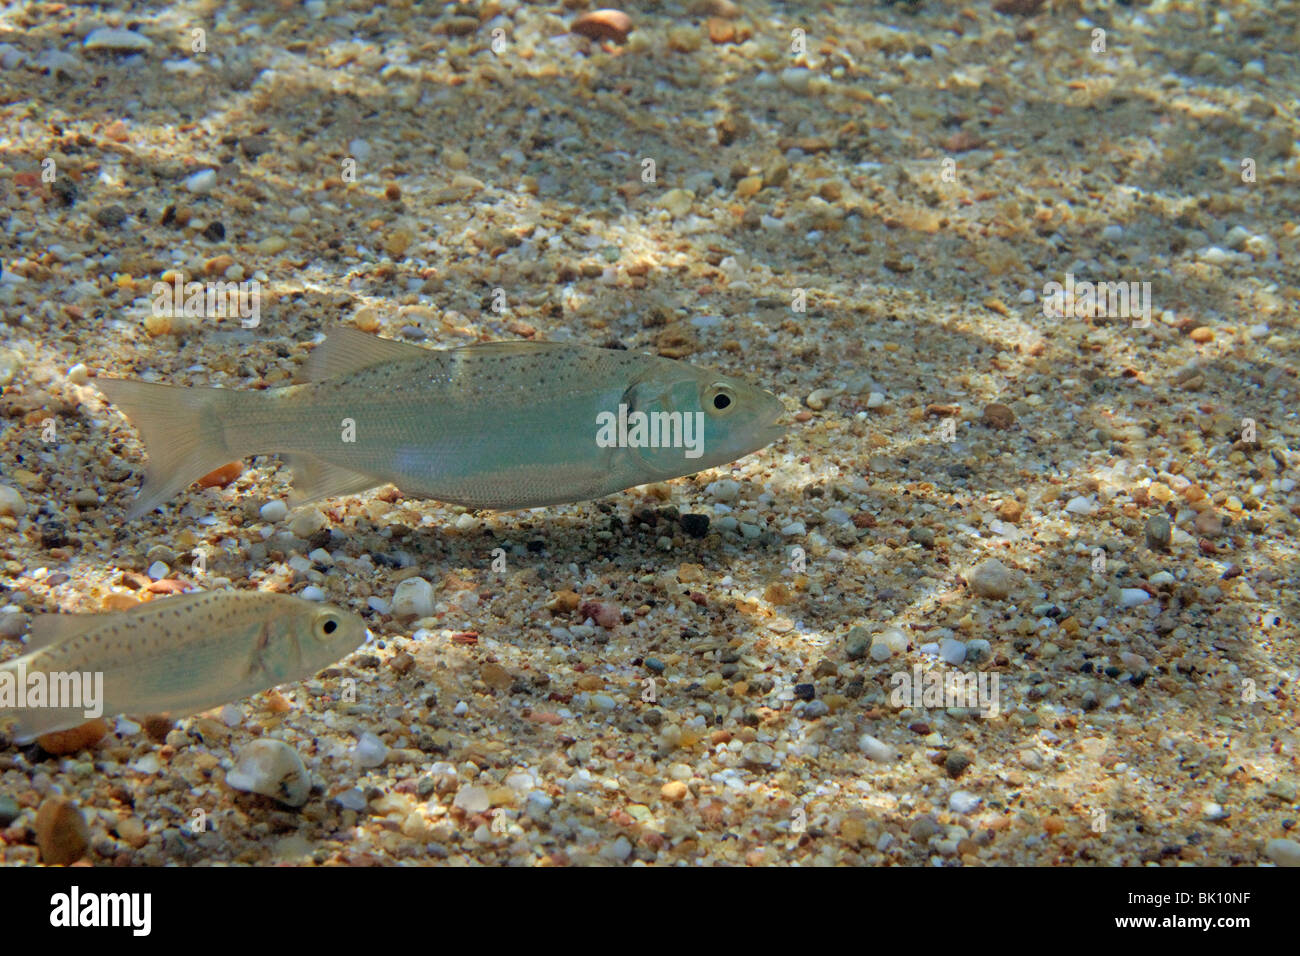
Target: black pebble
x,y
697,526
805,691
110,216
65,189
215,231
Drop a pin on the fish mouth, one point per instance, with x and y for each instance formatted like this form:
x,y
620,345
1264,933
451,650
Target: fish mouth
x,y
771,431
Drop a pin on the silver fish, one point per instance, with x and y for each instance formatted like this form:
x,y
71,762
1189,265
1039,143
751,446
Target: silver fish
x,y
501,425
177,655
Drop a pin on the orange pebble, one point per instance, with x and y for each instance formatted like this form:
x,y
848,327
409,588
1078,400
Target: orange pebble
x,y
222,476
64,742
603,25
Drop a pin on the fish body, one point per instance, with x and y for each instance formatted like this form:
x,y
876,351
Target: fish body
x,y
177,655
501,425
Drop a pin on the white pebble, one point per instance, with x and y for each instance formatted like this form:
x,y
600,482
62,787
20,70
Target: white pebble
x,y
157,571
149,763
204,181
1136,663
11,57
962,801
537,804
952,651
107,38
876,749
875,400
125,727
818,399
992,579
794,528
11,502
460,710
307,522
797,79
359,150
1081,506
619,850
1283,852
311,593
272,768
472,799
370,751
274,511
413,598
894,638
78,374
351,799
1132,597
725,490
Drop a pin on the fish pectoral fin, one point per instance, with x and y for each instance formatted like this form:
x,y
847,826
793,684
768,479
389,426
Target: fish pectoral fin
x,y
314,479
347,350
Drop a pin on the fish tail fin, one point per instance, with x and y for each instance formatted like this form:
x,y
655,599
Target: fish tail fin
x,y
184,434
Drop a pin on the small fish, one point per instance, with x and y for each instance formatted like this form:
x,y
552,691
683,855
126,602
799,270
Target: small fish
x,y
176,656
500,425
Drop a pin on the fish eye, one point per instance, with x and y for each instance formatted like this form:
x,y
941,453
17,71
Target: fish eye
x,y
327,625
720,398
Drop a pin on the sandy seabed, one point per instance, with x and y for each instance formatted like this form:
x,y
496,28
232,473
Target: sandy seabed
x,y
863,217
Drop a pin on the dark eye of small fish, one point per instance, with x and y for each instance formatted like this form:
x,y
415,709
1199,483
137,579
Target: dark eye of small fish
x,y
331,627
721,401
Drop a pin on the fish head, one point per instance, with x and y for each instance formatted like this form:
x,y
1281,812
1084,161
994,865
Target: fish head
x,y
721,419
326,634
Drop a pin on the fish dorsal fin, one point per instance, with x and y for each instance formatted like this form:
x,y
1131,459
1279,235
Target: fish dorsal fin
x,y
347,350
313,479
47,629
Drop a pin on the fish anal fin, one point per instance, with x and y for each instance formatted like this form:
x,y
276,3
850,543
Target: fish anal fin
x,y
314,479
